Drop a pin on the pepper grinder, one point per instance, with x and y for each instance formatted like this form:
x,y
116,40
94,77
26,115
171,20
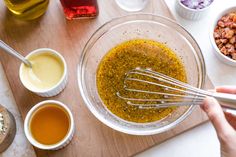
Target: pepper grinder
x,y
7,128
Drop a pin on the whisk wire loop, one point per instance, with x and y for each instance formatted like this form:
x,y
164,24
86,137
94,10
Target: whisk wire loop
x,y
189,94
173,93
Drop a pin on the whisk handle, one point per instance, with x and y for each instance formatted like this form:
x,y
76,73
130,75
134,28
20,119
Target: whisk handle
x,y
226,100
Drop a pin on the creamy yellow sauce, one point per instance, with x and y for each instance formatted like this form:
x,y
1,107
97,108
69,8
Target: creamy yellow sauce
x,y
47,70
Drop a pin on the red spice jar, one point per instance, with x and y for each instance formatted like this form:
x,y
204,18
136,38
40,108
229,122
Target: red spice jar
x,y
76,9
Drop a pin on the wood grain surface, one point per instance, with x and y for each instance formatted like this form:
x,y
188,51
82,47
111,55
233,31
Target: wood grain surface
x,y
92,138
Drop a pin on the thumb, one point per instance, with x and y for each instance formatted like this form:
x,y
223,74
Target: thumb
x,y
227,89
217,117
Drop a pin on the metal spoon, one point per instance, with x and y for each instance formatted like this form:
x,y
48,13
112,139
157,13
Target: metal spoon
x,y
14,53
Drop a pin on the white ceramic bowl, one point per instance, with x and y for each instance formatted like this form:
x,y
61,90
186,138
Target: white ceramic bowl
x,y
55,89
64,141
217,52
191,14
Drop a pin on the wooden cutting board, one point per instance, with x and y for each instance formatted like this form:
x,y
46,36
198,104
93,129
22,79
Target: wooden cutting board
x,y
92,138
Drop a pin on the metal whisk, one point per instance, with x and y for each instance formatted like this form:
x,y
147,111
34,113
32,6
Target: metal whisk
x,y
173,92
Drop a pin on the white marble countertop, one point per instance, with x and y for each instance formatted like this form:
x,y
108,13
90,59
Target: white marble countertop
x,y
200,141
20,147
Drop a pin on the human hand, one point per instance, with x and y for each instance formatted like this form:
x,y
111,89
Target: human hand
x,y
223,122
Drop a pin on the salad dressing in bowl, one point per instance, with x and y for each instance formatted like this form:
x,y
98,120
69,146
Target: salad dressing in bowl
x,y
116,32
127,56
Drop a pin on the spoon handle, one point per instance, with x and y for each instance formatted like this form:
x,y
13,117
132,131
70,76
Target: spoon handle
x,y
12,52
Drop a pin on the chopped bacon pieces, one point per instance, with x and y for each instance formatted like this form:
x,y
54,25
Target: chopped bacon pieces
x,y
225,35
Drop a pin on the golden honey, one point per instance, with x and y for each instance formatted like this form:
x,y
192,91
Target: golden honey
x,y
49,124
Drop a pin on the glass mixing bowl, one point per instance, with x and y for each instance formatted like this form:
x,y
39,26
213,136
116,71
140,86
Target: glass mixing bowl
x,y
145,26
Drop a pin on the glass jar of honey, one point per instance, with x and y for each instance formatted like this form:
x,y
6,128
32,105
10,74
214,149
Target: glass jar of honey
x,y
27,9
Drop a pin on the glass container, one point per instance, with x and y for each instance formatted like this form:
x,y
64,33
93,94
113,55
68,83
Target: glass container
x,y
76,9
144,26
132,5
27,9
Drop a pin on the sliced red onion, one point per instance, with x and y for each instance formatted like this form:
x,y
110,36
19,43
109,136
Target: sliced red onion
x,y
196,4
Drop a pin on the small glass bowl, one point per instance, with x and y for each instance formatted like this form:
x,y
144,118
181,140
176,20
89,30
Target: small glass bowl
x,y
144,26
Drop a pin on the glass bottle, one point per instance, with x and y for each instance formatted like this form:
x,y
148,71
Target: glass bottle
x,y
132,5
27,9
74,9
